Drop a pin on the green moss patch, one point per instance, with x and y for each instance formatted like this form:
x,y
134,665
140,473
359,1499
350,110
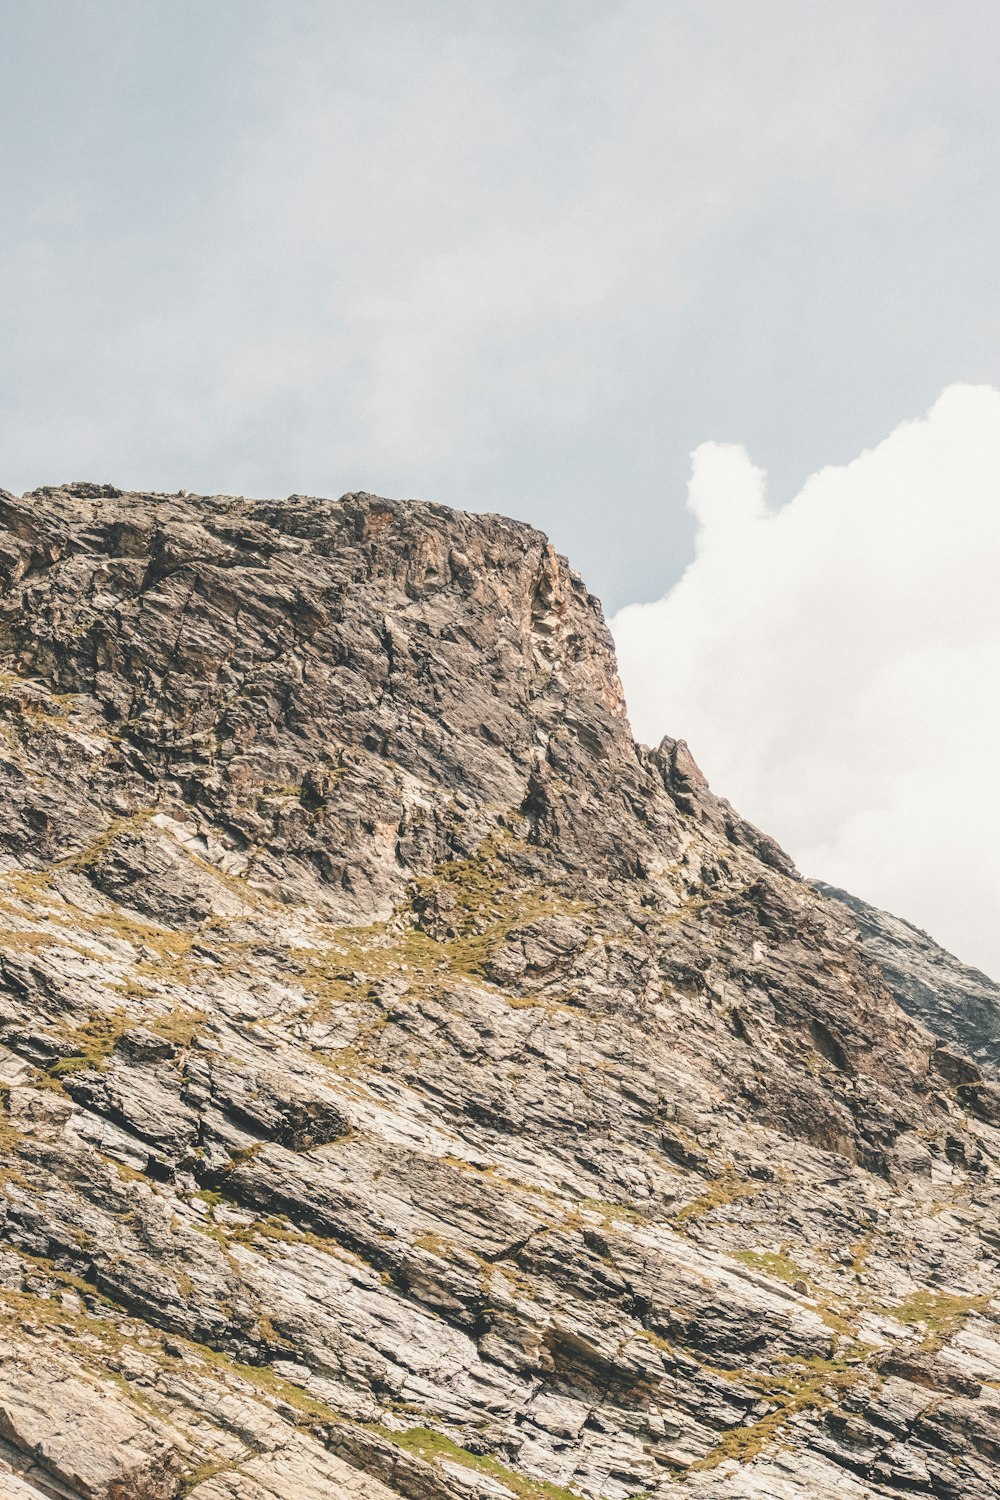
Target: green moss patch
x,y
434,1446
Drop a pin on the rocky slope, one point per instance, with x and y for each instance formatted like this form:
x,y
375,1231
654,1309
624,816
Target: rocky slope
x,y
957,1002
411,1087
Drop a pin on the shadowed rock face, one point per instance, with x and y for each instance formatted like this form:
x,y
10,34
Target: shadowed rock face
x,y
413,1087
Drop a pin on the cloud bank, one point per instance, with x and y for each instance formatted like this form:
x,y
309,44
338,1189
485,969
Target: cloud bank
x,y
835,665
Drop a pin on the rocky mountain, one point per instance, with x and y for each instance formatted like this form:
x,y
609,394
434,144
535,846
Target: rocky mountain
x,y
411,1087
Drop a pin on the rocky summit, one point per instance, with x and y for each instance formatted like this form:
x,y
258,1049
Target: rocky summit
x,y
412,1087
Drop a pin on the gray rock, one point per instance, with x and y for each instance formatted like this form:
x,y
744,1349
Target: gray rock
x,y
959,1003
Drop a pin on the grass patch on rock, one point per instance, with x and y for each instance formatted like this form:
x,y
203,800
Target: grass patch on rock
x,y
434,1446
718,1193
773,1263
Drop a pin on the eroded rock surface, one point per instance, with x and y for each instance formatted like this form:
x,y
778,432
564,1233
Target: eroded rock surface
x,y
411,1087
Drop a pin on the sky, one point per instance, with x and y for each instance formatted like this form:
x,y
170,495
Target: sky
x,y
514,255
836,663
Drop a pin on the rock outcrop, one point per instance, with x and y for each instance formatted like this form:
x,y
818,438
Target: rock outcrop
x,y
412,1087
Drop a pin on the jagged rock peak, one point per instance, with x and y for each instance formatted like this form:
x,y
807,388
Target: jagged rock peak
x,y
236,641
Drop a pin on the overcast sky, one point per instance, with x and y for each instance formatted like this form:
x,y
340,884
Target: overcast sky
x,y
520,256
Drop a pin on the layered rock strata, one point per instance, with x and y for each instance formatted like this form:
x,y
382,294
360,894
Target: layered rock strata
x,y
411,1086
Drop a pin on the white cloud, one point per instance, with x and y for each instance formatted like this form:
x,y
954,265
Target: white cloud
x,y
835,665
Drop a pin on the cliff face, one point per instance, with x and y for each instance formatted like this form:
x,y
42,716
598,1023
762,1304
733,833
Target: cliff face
x,y
411,1086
